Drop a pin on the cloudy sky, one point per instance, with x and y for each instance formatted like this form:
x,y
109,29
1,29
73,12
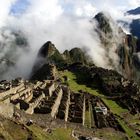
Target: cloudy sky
x,y
54,8
79,7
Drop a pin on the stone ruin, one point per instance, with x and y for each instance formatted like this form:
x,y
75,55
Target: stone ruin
x,y
58,101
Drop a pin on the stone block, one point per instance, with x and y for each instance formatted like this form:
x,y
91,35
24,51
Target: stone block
x,y
6,110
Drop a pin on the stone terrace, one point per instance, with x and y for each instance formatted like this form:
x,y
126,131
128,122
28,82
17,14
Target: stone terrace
x,y
58,101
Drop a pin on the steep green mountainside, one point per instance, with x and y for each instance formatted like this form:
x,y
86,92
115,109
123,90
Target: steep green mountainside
x,y
119,94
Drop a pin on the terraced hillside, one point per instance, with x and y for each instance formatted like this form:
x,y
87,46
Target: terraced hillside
x,y
43,109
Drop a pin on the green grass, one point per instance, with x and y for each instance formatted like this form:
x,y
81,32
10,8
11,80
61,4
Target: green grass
x,y
38,133
110,135
76,87
87,119
131,134
62,134
114,107
13,131
57,134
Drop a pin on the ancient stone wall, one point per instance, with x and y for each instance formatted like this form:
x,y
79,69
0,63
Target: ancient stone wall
x,y
67,105
11,91
51,89
32,106
21,94
84,108
57,103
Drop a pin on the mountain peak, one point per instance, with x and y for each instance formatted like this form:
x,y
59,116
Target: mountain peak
x,y
103,22
134,11
47,49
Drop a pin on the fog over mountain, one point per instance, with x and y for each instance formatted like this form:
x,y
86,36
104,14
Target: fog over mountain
x,y
67,24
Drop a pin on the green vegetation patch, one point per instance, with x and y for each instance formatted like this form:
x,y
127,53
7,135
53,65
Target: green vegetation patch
x,y
131,134
76,87
87,119
109,134
57,134
14,131
114,107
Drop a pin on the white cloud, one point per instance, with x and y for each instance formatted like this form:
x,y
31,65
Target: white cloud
x,y
134,3
82,8
87,10
49,9
5,6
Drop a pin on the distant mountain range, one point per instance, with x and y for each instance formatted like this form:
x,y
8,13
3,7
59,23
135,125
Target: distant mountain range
x,y
134,11
135,25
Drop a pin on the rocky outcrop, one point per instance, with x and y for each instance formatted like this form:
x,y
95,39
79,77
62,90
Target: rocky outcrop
x,y
76,55
134,11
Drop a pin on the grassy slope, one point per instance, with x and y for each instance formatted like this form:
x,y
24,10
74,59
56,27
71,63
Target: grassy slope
x,y
10,130
114,107
57,134
76,87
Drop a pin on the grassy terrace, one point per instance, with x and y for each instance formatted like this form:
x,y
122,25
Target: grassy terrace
x,y
87,119
76,87
114,107
131,134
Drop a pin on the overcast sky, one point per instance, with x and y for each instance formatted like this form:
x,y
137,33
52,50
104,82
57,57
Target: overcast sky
x,y
80,7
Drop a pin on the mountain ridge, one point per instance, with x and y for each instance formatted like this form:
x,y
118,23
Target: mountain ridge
x,y
135,11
